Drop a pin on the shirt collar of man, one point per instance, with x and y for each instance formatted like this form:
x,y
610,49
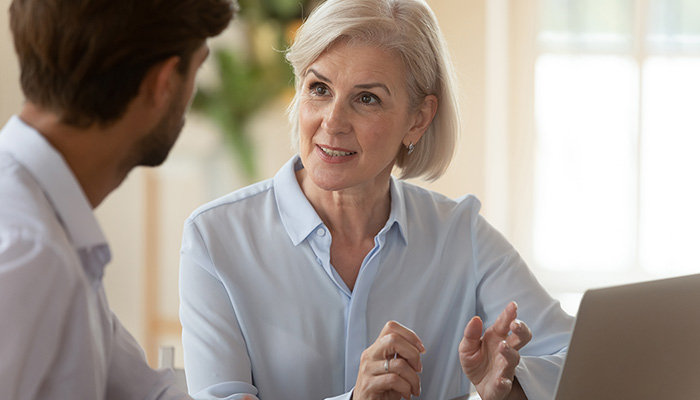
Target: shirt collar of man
x,y
60,186
299,217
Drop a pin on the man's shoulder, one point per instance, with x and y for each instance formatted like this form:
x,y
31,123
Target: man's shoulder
x,y
26,215
22,199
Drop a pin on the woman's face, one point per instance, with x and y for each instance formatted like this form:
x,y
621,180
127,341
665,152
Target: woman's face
x,y
353,117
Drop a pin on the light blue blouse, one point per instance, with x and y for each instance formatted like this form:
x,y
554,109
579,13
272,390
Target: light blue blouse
x,y
265,313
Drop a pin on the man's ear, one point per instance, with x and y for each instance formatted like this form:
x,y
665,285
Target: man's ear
x,y
160,81
422,119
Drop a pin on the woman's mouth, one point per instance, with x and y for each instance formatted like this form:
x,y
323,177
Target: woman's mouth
x,y
336,153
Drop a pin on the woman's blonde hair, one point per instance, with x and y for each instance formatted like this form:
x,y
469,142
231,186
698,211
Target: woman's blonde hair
x,y
409,29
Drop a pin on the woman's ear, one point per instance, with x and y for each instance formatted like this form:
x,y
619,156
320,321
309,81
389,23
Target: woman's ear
x,y
422,119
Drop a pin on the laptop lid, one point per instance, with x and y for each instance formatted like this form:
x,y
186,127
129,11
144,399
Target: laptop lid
x,y
638,341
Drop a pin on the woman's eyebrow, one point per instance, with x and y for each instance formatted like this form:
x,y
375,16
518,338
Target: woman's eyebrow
x,y
360,86
318,75
374,85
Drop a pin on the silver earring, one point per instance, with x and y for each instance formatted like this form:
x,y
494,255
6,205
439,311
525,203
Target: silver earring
x,y
410,148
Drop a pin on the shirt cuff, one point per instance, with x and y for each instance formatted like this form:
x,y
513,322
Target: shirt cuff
x,y
227,391
344,396
538,376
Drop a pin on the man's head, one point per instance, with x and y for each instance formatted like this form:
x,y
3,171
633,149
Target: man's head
x,y
152,148
85,60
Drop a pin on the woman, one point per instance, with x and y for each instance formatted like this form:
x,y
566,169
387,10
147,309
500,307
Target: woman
x,y
336,280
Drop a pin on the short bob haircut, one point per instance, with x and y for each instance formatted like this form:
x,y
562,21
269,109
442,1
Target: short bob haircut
x,y
85,59
409,29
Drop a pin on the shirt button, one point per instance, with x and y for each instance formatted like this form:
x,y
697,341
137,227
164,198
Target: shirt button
x,y
321,232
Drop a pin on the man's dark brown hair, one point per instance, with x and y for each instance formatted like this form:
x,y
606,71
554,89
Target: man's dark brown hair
x,y
85,59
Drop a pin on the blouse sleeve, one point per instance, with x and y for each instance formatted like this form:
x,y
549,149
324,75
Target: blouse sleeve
x,y
217,364
502,277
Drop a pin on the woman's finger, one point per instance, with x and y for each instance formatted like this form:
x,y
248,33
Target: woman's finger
x,y
390,366
471,342
509,359
393,345
403,369
502,325
520,335
393,383
404,332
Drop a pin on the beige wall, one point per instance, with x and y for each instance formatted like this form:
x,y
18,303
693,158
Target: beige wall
x,y
10,94
463,25
199,169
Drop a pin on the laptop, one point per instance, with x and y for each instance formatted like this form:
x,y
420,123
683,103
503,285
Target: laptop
x,y
638,341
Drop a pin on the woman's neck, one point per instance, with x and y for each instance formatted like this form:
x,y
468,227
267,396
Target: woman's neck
x,y
353,214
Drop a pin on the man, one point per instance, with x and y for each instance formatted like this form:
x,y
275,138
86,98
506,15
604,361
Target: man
x,y
107,83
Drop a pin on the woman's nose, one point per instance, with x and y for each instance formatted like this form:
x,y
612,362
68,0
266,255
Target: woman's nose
x,y
336,120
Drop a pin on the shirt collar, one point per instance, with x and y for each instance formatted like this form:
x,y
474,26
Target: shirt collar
x,y
398,208
298,215
47,166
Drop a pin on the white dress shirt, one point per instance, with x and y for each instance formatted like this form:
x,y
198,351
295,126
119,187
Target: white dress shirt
x,y
264,312
58,338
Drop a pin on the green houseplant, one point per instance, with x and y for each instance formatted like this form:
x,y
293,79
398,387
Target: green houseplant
x,y
252,75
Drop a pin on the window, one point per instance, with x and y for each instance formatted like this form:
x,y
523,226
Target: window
x,y
617,137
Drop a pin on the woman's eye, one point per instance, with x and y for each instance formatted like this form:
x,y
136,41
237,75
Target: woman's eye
x,y
319,89
368,99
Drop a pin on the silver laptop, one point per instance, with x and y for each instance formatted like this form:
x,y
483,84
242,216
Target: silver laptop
x,y
638,341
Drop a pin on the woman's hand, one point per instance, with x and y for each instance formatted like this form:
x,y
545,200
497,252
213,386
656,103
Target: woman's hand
x,y
489,361
389,368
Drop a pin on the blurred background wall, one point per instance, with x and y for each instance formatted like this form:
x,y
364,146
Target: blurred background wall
x,y
580,128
